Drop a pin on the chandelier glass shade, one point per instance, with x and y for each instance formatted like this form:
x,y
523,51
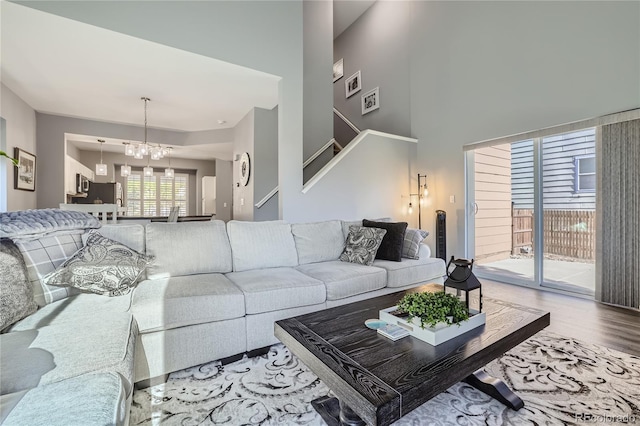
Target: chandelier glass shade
x,y
125,170
169,172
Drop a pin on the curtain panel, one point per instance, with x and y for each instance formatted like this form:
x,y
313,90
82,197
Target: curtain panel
x,y
620,201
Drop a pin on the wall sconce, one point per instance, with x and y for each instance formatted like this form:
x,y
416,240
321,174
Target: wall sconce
x,y
422,193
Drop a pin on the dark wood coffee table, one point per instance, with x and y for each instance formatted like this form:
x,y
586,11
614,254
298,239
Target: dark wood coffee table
x,y
377,380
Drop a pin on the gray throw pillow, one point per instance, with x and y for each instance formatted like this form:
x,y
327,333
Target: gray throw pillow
x,y
412,240
102,266
362,244
16,293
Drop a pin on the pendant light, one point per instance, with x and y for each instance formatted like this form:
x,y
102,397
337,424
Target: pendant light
x,y
148,171
144,147
126,169
169,172
129,149
101,169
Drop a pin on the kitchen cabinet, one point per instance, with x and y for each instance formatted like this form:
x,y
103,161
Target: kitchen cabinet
x,y
73,167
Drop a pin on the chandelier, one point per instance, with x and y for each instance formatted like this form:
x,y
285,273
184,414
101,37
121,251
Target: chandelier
x,y
139,151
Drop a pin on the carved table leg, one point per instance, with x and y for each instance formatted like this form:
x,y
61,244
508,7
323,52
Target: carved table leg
x,y
336,413
495,388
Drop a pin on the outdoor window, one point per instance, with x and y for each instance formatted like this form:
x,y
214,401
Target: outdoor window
x,y
156,195
585,180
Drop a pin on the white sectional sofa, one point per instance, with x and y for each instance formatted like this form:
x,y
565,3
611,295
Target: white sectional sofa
x,y
213,291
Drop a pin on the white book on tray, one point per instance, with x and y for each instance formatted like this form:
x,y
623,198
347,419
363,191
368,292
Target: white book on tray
x,y
393,332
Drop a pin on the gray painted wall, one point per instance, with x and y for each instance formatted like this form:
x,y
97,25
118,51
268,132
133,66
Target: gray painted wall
x,y
51,131
318,71
370,181
243,142
378,44
192,26
197,169
4,165
481,70
256,134
265,149
224,190
20,133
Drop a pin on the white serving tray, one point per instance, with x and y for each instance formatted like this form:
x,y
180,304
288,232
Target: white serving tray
x,y
436,335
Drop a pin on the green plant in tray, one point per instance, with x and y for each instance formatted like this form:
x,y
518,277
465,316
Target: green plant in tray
x,y
433,308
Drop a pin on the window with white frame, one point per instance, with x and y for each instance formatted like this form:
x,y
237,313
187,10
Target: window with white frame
x,y
156,195
585,176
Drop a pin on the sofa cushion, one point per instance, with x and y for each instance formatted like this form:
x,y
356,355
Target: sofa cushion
x,y
410,271
391,246
167,303
318,242
103,266
16,293
50,354
42,256
412,240
277,288
187,248
344,279
89,399
74,309
131,235
257,245
362,244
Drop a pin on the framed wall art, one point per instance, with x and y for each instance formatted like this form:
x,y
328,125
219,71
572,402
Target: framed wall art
x,y
338,70
353,84
370,101
25,172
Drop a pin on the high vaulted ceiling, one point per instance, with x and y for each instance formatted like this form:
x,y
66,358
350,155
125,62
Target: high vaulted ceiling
x,y
69,68
65,67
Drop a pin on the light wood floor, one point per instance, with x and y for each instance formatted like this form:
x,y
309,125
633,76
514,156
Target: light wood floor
x,y
583,319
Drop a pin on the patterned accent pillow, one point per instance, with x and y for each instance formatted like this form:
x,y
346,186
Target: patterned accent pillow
x,y
102,266
412,240
362,244
16,293
42,256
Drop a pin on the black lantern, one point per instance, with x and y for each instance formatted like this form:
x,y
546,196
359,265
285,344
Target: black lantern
x,y
463,280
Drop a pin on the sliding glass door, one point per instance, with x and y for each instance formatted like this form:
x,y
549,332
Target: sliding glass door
x,y
531,211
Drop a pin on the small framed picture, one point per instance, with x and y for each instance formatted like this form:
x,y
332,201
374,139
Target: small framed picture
x,y
25,172
371,100
338,70
353,84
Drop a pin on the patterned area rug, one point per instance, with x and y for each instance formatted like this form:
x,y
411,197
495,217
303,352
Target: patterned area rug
x,y
561,380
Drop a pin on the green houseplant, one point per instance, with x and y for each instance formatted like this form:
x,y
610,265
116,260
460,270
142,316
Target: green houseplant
x,y
13,160
433,308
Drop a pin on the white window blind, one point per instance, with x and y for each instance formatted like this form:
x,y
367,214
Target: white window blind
x,y
156,195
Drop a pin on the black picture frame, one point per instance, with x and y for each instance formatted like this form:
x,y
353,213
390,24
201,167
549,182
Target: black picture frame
x,y
24,175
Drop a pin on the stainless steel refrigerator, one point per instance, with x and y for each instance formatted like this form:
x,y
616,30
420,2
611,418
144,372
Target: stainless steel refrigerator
x,y
102,193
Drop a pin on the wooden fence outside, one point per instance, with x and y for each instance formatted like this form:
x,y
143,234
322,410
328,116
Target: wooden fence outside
x,y
569,233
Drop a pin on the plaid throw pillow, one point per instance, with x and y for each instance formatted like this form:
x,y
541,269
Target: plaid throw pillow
x,y
412,240
43,256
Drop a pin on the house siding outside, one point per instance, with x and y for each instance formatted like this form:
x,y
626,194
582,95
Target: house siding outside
x,y
559,155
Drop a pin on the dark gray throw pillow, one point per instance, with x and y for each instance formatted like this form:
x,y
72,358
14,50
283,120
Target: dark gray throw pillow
x,y
391,247
16,292
102,266
362,244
